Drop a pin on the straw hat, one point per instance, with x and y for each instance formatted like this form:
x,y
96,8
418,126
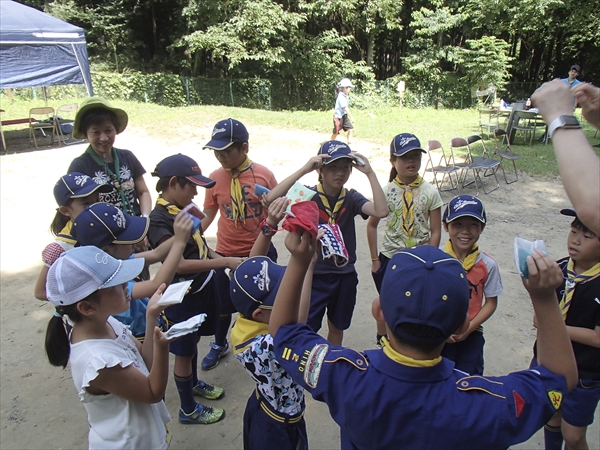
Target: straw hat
x,y
97,102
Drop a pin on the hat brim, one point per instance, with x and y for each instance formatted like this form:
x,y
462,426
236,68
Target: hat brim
x,y
127,271
568,212
218,145
201,181
95,102
335,158
466,214
135,231
409,150
91,188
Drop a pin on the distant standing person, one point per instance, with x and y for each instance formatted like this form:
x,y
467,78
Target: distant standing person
x,y
342,117
571,81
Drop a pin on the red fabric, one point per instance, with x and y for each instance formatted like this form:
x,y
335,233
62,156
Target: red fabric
x,y
519,403
307,218
51,253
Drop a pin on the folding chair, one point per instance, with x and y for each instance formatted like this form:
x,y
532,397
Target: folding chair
x,y
483,163
505,153
527,123
474,164
41,124
490,119
437,163
61,119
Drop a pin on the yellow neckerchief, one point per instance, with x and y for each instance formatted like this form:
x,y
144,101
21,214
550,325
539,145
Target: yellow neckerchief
x,y
174,210
408,206
573,279
238,211
65,234
244,330
469,260
406,360
338,204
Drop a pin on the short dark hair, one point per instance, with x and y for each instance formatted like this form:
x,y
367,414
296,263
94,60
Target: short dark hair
x,y
420,331
163,183
95,116
580,226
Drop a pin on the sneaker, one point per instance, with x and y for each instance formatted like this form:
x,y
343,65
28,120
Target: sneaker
x,y
216,352
202,414
208,391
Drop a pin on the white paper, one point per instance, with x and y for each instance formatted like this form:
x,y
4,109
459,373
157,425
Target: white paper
x,y
187,327
174,293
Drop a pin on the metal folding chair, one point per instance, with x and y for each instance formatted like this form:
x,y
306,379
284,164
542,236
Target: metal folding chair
x,y
41,124
475,164
60,118
527,124
489,119
505,153
438,163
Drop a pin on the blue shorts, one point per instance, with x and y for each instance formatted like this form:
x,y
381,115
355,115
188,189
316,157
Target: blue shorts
x,y
263,431
336,293
468,354
378,276
579,405
193,304
222,281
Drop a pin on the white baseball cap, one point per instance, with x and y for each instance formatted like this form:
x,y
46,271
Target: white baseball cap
x,y
83,270
346,83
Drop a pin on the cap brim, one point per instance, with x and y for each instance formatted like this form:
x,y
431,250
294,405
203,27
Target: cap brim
x,y
201,181
218,145
568,212
466,214
335,158
406,151
129,269
87,190
136,230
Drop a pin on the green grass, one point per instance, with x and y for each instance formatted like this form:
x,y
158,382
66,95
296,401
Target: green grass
x,y
377,125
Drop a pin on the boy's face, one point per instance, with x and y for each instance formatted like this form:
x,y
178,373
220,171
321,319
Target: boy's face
x,y
408,165
464,233
101,136
182,196
232,157
584,248
336,173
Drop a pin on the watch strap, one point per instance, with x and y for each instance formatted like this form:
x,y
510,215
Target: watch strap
x,y
568,121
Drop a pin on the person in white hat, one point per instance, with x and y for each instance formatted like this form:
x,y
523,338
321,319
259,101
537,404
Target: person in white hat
x,y
342,117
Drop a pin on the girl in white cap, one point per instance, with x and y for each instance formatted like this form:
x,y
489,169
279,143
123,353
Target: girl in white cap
x,y
342,117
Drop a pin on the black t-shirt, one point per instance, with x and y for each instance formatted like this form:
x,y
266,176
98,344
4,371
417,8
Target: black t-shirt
x,y
130,169
161,225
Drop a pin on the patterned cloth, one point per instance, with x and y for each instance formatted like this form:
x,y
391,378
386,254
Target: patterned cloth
x,y
332,244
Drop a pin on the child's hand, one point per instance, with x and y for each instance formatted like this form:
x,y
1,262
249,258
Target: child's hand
x,y
302,246
314,163
366,167
159,337
315,257
232,262
182,227
544,275
276,211
153,309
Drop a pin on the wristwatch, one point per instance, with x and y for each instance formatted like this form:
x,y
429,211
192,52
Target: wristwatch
x,y
268,230
568,121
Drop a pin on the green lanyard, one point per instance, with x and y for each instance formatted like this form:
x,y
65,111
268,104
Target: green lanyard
x,y
115,177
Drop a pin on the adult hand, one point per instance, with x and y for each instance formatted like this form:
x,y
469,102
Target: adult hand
x,y
588,97
553,99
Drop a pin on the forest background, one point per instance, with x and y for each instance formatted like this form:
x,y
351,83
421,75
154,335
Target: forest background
x,y
289,54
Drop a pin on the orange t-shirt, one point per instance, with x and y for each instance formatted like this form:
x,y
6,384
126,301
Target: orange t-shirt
x,y
238,240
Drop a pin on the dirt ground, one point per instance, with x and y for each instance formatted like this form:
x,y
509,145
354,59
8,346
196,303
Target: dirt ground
x,y
39,405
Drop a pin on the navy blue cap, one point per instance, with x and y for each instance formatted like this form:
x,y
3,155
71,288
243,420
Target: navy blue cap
x,y
76,185
568,212
226,133
335,150
465,205
182,166
424,285
404,143
254,284
102,224
576,67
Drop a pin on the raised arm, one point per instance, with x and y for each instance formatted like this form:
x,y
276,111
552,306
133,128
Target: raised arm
x,y
378,207
284,186
554,350
262,243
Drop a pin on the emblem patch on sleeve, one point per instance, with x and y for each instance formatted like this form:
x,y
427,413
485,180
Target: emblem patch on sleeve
x,y
314,364
555,398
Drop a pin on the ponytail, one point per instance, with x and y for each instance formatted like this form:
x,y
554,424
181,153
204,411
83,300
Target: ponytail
x,y
58,223
393,174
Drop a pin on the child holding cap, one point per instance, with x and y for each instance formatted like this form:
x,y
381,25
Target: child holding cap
x,y
123,399
179,176
414,210
72,192
464,220
105,226
578,296
342,117
406,394
334,288
99,123
241,214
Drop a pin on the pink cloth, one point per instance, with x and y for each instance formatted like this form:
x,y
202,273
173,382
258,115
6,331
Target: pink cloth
x,y
307,218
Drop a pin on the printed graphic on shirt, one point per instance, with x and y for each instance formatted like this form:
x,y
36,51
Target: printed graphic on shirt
x,y
253,209
126,181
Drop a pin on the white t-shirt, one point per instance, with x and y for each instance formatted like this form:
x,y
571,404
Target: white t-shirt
x,y
116,423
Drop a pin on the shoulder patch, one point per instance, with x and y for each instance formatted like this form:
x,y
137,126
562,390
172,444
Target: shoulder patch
x,y
555,398
314,364
482,384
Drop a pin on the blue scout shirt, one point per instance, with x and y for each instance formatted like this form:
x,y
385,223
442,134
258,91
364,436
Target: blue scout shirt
x,y
382,403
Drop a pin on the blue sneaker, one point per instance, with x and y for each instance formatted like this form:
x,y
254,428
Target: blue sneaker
x,y
216,352
201,415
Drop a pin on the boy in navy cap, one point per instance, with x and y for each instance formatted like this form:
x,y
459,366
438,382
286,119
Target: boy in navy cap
x,y
179,176
334,287
406,395
579,304
464,220
241,218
